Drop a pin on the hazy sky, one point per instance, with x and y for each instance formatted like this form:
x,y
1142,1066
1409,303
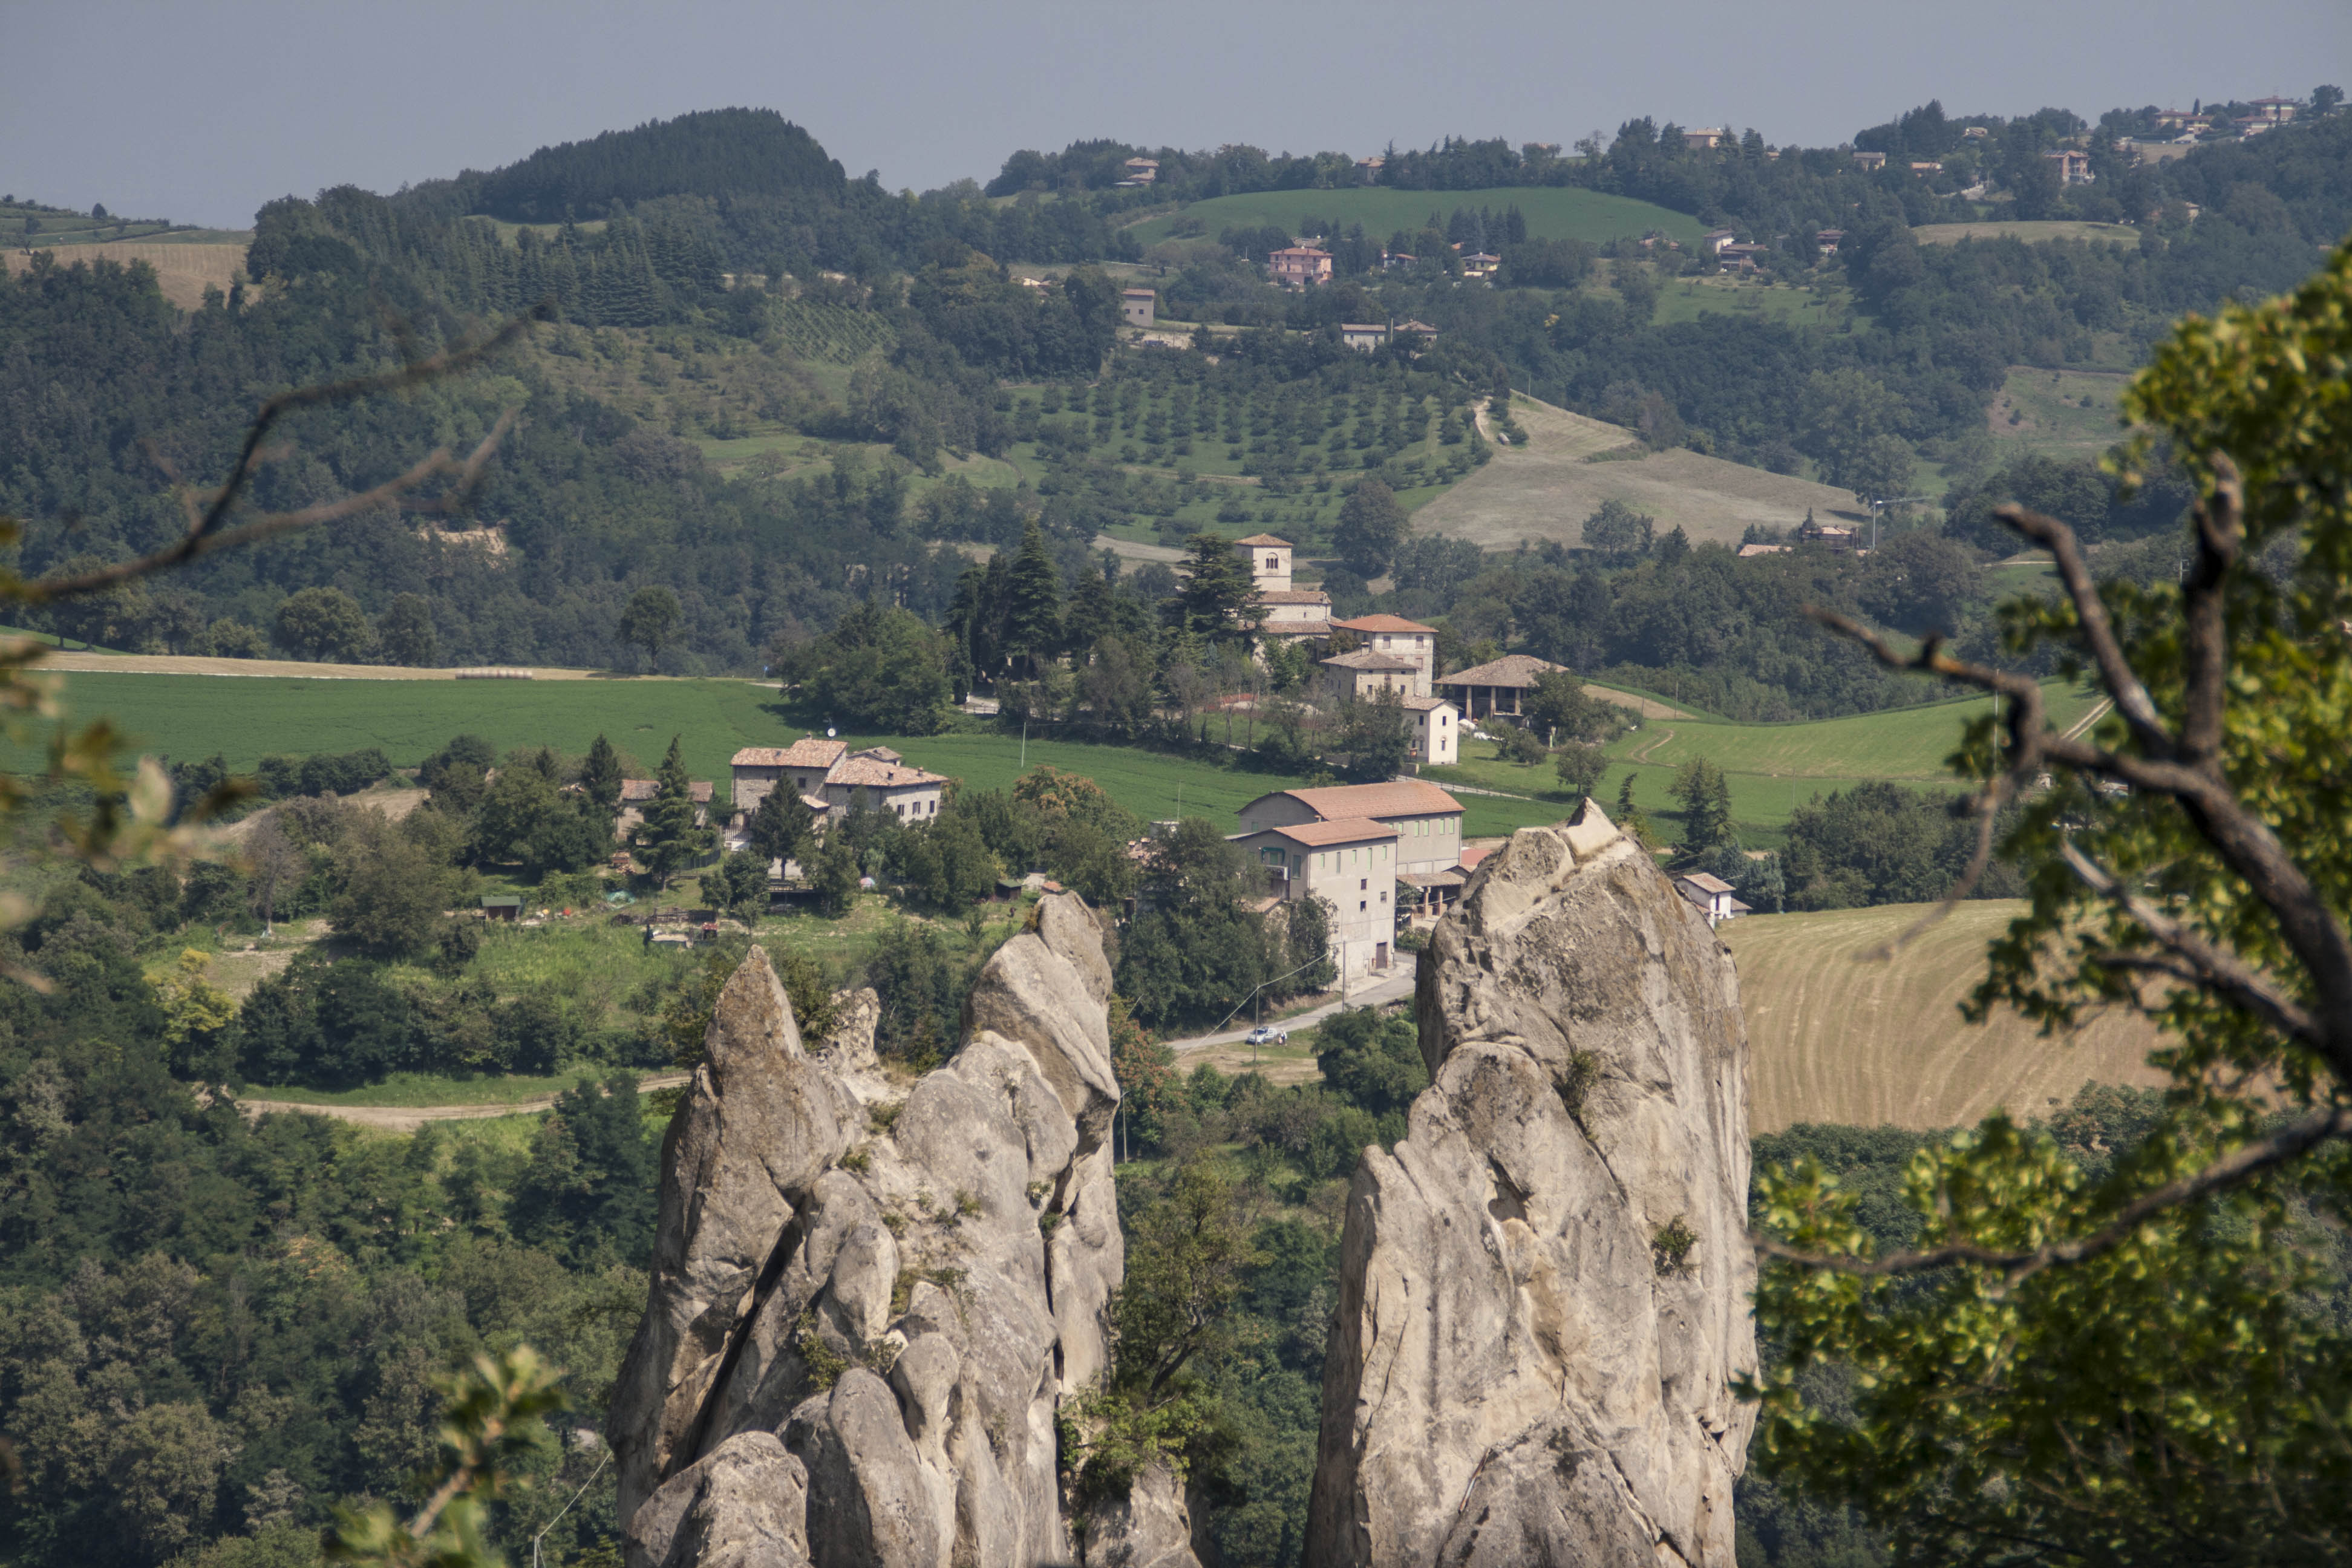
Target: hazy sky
x,y
199,113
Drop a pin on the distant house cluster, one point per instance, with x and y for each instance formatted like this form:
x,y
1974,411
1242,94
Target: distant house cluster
x,y
1392,655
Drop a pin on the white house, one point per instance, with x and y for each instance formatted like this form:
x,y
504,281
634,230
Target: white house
x,y
1350,864
1712,895
1136,306
1363,336
1427,820
1436,730
1399,638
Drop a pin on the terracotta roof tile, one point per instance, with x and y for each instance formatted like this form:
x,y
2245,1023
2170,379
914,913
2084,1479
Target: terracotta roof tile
x,y
1406,797
1322,835
1366,659
1511,669
1385,624
1260,540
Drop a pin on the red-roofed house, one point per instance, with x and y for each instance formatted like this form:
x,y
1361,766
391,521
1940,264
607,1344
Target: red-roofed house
x,y
826,775
1400,639
1300,266
1350,863
1427,820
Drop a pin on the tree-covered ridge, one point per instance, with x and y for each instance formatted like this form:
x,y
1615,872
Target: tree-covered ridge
x,y
719,151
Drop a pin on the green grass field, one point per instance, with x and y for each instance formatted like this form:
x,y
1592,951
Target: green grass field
x,y
2065,413
1688,298
1552,212
244,719
2030,231
1772,768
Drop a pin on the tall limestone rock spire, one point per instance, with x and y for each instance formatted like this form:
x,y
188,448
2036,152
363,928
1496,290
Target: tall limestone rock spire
x,y
869,1302
1544,1290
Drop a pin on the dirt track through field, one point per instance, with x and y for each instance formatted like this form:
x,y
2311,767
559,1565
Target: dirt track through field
x,y
1545,489
409,1118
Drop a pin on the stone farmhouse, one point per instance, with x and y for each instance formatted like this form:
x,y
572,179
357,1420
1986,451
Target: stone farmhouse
x,y
1300,266
1399,638
826,775
1284,613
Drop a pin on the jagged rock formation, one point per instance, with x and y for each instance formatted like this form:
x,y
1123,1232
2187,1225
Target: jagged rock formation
x,y
1544,1291
869,1299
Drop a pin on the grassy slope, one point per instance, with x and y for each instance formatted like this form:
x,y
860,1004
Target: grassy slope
x,y
1546,489
2050,413
1838,1039
1551,213
1772,768
186,716
2030,232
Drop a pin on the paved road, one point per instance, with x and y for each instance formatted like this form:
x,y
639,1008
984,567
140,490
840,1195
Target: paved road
x,y
1364,996
409,1118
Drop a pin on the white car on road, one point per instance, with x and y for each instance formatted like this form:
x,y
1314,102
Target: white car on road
x,y
1267,1035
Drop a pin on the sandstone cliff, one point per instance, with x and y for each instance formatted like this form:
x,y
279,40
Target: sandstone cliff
x,y
869,1299
1544,1290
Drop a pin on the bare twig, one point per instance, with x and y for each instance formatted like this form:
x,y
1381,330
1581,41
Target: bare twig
x,y
2296,1138
206,530
2200,962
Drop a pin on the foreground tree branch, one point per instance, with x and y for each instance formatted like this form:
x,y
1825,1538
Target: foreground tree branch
x,y
2185,766
207,526
2243,1165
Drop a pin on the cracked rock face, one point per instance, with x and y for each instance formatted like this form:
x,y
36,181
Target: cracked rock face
x,y
1530,1363
869,1299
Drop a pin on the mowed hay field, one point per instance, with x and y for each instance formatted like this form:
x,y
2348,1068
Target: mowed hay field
x,y
1836,1037
1545,489
184,271
1552,212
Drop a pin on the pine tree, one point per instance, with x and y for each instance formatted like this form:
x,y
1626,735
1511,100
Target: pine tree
x,y
600,775
669,839
1705,797
1033,602
784,826
1215,598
